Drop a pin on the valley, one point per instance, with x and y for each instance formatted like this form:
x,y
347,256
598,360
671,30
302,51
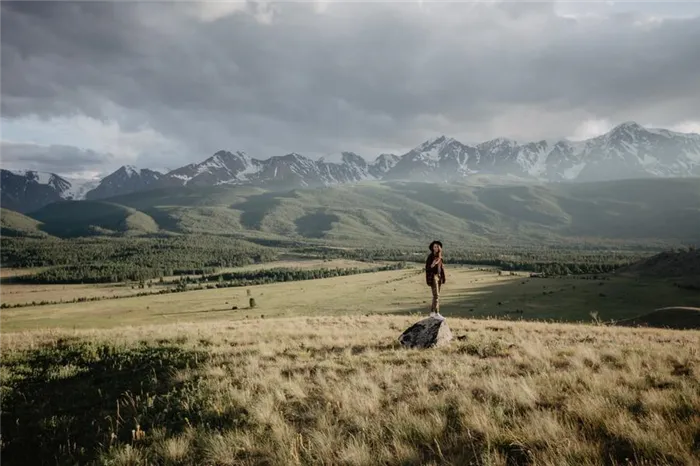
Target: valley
x,y
473,292
227,324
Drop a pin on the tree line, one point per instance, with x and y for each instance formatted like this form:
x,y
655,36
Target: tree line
x,y
293,274
550,261
191,252
226,280
112,260
119,273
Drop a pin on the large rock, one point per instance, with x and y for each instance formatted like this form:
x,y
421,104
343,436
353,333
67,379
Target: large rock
x,y
427,333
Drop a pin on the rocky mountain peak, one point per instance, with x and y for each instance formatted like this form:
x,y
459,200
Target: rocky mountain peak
x,y
628,150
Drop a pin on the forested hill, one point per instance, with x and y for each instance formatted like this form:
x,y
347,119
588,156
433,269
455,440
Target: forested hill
x,y
648,211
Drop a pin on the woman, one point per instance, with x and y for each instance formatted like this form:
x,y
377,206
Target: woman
x,y
435,274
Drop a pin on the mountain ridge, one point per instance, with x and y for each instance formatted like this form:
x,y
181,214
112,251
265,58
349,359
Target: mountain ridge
x,y
609,212
629,150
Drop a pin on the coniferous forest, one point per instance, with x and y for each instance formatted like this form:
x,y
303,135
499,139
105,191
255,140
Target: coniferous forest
x,y
112,260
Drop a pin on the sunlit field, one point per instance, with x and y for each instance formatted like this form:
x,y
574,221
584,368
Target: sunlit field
x,y
313,373
339,390
27,293
469,292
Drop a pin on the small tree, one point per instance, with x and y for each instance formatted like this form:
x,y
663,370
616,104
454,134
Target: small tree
x,y
252,302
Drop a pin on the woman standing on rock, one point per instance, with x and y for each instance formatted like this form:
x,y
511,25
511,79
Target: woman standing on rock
x,y
435,274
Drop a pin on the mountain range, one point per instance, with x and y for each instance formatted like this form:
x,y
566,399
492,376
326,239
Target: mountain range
x,y
627,151
618,214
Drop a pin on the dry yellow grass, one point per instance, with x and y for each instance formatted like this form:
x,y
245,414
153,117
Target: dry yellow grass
x,y
338,390
6,272
26,294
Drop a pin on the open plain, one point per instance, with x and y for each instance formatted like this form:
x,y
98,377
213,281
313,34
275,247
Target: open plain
x,y
314,374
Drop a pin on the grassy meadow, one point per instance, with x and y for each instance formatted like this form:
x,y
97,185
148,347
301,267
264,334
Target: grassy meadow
x,y
470,292
339,390
12,293
314,374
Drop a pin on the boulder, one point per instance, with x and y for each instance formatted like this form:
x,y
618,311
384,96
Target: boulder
x,y
427,333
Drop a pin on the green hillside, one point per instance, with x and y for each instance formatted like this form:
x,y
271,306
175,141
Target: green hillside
x,y
88,218
15,224
632,211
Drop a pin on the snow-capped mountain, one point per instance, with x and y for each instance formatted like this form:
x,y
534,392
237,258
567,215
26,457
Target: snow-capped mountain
x,y
26,190
346,167
60,185
221,168
23,190
627,151
125,180
291,170
433,160
383,164
80,187
630,150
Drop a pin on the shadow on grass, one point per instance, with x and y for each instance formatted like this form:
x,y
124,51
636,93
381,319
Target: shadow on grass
x,y
566,299
64,403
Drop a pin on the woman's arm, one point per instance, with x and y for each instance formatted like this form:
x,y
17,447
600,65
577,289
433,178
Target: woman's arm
x,y
428,272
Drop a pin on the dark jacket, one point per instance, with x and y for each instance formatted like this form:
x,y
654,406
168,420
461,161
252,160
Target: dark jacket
x,y
431,272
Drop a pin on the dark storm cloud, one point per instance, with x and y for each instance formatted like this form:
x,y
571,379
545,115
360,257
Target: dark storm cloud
x,y
357,76
54,159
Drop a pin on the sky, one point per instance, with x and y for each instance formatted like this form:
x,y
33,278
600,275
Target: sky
x,y
89,86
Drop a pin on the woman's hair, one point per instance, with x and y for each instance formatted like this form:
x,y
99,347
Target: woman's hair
x,y
439,245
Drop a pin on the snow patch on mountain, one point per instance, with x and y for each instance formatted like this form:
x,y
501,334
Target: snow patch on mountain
x,y
693,156
253,167
80,187
211,164
59,184
37,177
386,161
336,158
532,158
649,160
433,150
572,173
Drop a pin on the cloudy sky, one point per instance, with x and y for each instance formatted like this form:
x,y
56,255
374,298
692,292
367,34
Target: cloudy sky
x,y
88,87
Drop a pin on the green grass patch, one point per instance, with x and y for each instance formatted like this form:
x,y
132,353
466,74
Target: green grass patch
x,y
67,402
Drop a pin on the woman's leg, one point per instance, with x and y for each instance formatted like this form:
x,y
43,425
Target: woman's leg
x,y
435,308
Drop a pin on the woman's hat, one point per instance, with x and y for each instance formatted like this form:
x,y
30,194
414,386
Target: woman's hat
x,y
430,248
